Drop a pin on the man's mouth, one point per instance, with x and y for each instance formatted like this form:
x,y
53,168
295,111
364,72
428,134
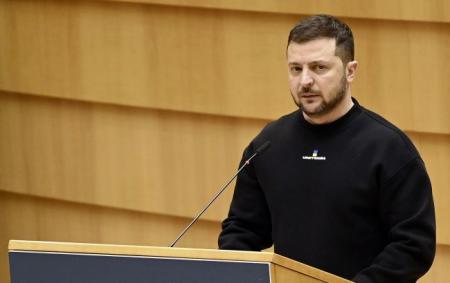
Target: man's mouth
x,y
309,94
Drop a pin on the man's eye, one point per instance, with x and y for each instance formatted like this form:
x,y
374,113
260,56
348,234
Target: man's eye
x,y
321,67
296,69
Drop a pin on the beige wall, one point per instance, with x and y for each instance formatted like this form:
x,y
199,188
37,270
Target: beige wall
x,y
119,119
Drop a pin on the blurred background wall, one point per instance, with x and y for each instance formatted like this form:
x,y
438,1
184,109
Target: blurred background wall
x,y
120,119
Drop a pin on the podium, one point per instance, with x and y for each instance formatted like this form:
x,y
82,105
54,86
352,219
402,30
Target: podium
x,y
32,261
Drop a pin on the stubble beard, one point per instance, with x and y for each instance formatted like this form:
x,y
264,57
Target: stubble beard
x,y
326,106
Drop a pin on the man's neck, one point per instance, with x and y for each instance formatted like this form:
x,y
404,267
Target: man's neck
x,y
340,110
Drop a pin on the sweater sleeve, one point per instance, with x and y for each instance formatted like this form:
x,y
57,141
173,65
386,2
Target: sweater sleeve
x,y
407,213
248,225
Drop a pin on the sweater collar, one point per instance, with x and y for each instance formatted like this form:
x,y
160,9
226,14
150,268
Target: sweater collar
x,y
335,125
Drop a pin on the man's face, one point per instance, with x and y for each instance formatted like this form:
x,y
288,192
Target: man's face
x,y
317,77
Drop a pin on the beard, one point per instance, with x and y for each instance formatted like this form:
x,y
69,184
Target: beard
x,y
336,96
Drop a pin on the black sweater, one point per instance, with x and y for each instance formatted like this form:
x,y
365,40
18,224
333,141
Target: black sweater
x,y
351,197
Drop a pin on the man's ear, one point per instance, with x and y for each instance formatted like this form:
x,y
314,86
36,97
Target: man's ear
x,y
350,70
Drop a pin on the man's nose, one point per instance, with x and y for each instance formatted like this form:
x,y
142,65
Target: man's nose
x,y
306,80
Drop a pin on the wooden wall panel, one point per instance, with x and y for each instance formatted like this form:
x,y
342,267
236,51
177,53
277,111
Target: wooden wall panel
x,y
401,63
152,56
411,10
439,272
148,160
430,110
211,61
34,218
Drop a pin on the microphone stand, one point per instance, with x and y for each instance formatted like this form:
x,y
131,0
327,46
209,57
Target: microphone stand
x,y
259,150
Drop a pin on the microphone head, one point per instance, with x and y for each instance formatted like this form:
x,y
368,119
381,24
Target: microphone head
x,y
263,147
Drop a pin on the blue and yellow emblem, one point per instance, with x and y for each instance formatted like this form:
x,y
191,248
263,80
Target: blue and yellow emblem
x,y
314,156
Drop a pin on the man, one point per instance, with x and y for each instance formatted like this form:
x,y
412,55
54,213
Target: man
x,y
340,188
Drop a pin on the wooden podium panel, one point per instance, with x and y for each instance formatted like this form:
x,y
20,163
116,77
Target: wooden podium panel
x,y
76,262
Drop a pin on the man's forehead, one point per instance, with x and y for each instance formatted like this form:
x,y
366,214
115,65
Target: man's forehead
x,y
321,49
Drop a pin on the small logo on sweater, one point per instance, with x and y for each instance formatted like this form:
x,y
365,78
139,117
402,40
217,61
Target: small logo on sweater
x,y
314,156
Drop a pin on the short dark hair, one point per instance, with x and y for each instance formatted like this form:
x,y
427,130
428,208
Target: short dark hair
x,y
325,26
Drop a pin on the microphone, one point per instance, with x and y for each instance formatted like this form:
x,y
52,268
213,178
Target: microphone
x,y
259,150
